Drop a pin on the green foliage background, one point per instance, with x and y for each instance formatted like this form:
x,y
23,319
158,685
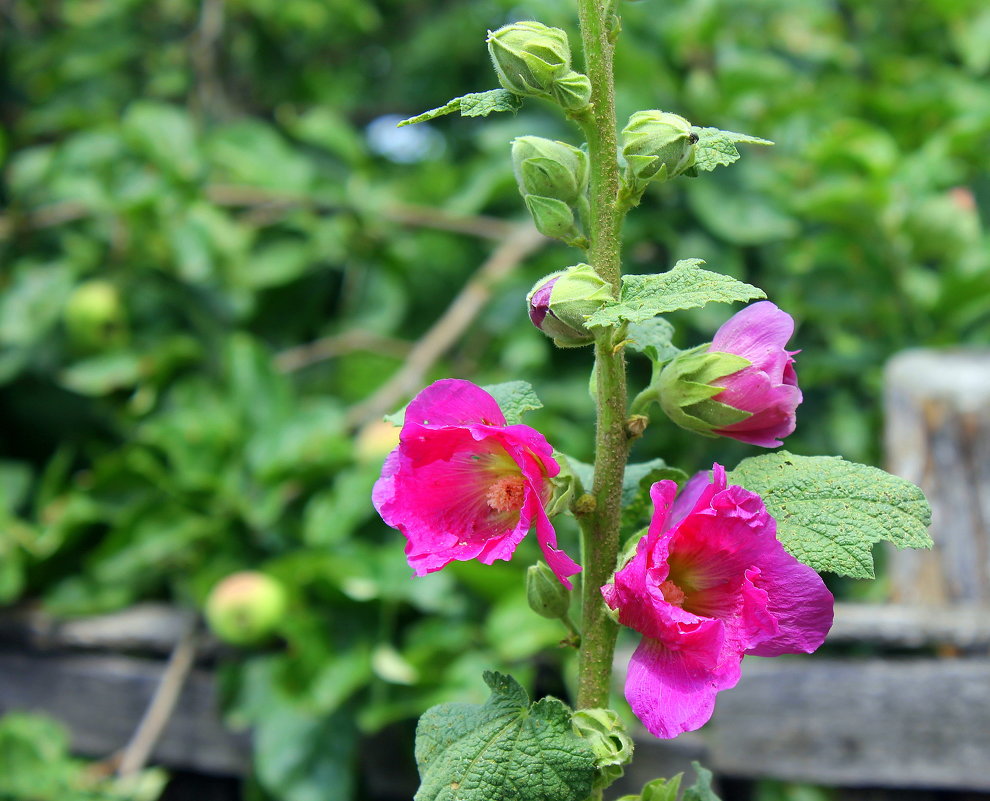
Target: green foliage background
x,y
213,163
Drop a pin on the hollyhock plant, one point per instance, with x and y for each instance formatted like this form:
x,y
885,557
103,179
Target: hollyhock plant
x,y
708,584
462,484
751,394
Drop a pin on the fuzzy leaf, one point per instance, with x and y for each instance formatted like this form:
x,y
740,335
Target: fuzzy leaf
x,y
717,148
652,338
476,104
505,748
829,511
514,398
701,790
685,286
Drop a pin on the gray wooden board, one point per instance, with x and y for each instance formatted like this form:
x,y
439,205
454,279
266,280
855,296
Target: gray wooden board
x,y
155,628
912,723
102,698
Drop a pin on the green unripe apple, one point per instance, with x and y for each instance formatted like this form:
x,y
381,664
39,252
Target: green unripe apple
x,y
245,608
94,315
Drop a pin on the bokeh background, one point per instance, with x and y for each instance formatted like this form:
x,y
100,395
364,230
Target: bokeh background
x,y
215,246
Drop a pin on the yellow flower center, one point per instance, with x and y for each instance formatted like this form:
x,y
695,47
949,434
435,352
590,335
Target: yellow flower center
x,y
673,594
506,494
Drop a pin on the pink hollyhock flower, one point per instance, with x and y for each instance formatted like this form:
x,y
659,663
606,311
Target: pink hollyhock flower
x,y
768,387
742,385
464,485
710,583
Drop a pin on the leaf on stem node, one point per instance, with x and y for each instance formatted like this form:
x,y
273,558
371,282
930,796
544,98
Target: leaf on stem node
x,y
476,104
686,285
653,338
717,148
504,748
829,511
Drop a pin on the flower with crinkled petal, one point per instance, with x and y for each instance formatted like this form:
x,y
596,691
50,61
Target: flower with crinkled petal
x,y
709,583
464,485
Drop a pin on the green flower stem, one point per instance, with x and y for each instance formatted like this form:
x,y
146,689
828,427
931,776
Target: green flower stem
x,y
641,403
600,529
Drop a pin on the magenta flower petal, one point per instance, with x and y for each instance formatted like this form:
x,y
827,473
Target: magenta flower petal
x,y
464,485
559,562
453,402
768,387
758,333
708,584
798,602
670,692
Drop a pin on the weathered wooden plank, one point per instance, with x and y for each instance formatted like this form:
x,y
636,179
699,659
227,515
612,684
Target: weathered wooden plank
x,y
937,410
151,628
102,698
155,628
916,723
912,626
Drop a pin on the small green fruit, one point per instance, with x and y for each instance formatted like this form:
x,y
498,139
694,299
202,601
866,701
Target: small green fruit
x,y
94,316
245,608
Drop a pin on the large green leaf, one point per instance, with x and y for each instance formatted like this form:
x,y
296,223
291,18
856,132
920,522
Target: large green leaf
x,y
686,285
504,748
829,511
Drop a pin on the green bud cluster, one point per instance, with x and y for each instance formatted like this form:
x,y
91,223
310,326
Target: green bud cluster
x,y
606,735
686,390
553,180
656,146
534,60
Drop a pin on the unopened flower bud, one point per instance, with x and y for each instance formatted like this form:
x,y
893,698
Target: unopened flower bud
x,y
547,168
245,608
560,303
605,734
529,56
94,315
552,217
743,385
657,145
545,594
687,387
572,91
